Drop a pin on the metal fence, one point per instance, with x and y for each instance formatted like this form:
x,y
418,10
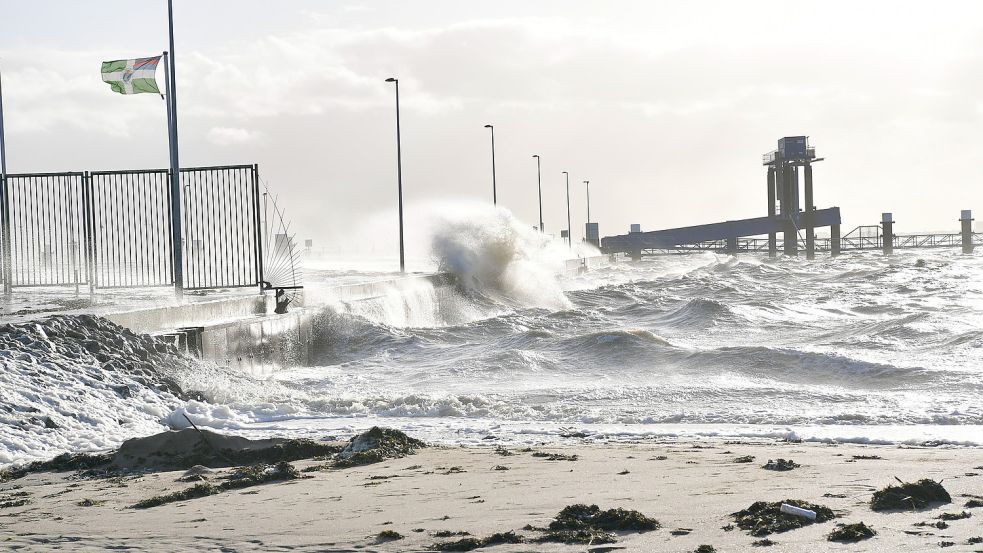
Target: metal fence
x,y
112,229
44,231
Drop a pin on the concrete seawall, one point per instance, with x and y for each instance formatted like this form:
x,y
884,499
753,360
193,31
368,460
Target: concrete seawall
x,y
244,333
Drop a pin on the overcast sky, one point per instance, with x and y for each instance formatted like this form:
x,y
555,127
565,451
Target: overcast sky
x,y
666,107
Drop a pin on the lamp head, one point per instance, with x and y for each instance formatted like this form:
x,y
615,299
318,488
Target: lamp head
x,y
489,127
392,80
535,155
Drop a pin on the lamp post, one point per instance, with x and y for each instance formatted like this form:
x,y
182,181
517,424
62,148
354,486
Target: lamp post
x,y
569,236
539,182
494,186
399,178
587,182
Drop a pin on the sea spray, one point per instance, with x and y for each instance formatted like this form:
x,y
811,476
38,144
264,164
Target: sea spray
x,y
492,252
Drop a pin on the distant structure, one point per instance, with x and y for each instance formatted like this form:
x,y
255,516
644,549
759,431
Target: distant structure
x,y
793,156
789,172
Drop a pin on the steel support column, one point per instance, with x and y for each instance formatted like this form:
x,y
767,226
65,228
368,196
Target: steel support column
x,y
807,219
772,237
790,209
887,224
966,220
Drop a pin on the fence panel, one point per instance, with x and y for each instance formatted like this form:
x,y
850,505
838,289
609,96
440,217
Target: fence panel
x,y
130,213
46,229
221,226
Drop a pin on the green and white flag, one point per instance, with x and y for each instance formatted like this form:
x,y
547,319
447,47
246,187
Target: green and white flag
x,y
131,76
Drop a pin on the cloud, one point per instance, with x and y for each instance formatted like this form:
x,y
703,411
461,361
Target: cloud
x,y
227,136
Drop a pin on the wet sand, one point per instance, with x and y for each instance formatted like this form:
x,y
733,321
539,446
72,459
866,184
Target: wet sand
x,y
690,487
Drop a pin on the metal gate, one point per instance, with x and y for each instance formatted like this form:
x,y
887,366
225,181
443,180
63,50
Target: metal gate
x,y
221,226
44,232
112,229
130,214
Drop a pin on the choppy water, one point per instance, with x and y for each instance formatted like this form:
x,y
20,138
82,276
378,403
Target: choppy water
x,y
862,347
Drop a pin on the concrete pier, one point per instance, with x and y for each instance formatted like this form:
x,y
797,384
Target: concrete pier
x,y
966,220
887,226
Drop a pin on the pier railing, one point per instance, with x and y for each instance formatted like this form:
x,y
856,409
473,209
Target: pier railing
x,y
851,243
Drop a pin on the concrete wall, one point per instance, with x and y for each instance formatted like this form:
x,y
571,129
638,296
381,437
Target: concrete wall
x,y
244,333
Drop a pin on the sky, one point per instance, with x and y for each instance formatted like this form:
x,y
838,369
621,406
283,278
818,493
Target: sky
x,y
665,107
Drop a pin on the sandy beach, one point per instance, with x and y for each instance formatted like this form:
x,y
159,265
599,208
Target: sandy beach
x,y
691,488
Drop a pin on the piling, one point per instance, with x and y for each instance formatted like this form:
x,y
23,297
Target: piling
x,y
966,219
887,226
808,219
834,240
790,186
772,237
732,245
635,248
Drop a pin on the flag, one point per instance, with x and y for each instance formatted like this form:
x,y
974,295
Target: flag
x,y
131,76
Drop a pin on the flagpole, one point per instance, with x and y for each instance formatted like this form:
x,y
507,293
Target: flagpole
x,y
171,87
4,205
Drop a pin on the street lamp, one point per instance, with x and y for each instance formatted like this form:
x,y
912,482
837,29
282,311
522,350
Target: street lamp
x,y
569,236
539,182
494,186
399,178
587,182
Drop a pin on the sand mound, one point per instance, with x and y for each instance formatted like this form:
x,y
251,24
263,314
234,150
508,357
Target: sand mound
x,y
184,448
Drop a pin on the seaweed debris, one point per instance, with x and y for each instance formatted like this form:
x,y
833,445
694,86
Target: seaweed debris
x,y
974,503
376,445
954,516
763,518
8,503
851,533
582,517
763,543
586,536
781,465
745,459
62,463
705,549
242,477
588,524
469,544
555,456
388,535
909,496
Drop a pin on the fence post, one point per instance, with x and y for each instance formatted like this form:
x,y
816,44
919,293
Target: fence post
x,y
259,228
88,231
7,260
